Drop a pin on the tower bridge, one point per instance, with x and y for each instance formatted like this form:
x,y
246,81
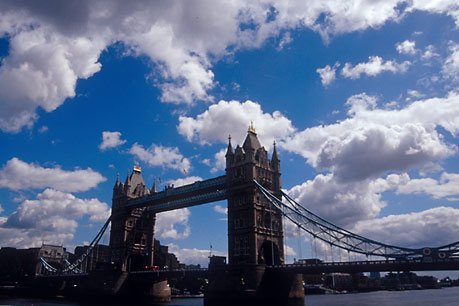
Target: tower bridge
x,y
256,212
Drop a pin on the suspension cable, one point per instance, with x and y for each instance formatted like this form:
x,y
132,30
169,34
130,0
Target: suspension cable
x,y
344,239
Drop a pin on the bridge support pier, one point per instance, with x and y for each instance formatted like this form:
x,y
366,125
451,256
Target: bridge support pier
x,y
253,285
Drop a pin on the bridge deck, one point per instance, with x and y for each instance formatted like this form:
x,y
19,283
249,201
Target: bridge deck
x,y
313,268
371,266
200,192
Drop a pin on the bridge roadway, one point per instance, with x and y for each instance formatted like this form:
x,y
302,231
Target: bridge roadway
x,y
447,264
331,267
171,198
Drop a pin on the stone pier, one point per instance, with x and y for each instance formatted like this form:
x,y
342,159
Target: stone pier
x,y
252,285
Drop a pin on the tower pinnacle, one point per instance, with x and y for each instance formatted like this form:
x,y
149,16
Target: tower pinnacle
x,y
251,128
229,151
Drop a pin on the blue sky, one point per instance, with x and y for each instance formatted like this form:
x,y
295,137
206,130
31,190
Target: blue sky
x,y
362,99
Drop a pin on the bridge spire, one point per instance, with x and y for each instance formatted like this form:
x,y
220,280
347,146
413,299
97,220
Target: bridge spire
x,y
117,183
229,151
275,161
127,184
153,189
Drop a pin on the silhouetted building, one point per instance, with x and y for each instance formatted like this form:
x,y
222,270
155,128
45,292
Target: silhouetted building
x,y
100,254
163,259
22,263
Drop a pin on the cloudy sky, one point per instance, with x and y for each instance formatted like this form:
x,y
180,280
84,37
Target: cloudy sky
x,y
362,98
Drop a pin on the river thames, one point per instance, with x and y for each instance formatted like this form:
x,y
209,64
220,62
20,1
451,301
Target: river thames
x,y
437,297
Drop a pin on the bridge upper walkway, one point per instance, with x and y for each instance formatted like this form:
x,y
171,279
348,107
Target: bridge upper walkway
x,y
171,198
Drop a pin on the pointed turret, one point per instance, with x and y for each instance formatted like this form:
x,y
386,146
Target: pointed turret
x,y
229,151
153,189
275,161
127,184
117,183
251,141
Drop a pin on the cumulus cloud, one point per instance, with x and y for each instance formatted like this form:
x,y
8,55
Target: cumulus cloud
x,y
286,39
221,210
450,67
233,117
173,224
52,45
41,72
51,217
446,186
339,202
373,67
373,141
355,206
449,7
429,53
433,227
184,181
111,140
159,156
219,162
19,175
193,256
356,152
406,47
327,74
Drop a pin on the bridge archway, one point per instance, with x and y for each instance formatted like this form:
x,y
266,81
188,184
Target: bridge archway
x,y
135,262
267,250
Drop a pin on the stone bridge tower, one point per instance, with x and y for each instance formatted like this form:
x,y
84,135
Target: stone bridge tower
x,y
255,231
132,231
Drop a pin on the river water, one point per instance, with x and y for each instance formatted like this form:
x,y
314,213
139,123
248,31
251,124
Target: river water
x,y
437,297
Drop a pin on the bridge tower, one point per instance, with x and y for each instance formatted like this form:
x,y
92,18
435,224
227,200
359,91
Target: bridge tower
x,y
255,231
132,231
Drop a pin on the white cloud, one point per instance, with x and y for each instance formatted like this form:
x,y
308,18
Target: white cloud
x,y
445,187
289,251
159,156
449,7
111,140
433,227
286,39
406,47
355,206
173,224
50,218
429,53
220,209
54,45
450,67
41,71
327,74
43,129
184,181
373,141
342,203
234,117
415,94
19,175
193,256
219,162
373,67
